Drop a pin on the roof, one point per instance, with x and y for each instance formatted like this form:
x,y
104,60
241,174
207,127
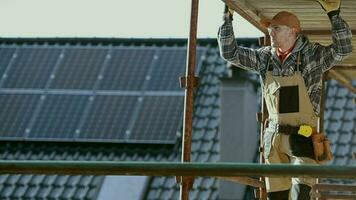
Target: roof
x,y
205,146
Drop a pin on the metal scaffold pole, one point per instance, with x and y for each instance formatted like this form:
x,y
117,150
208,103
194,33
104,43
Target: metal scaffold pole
x,y
189,82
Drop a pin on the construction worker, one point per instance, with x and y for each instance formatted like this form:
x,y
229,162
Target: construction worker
x,y
290,72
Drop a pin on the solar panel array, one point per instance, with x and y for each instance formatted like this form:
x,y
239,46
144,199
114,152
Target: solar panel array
x,y
92,93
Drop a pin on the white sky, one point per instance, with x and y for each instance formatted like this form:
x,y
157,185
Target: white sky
x,y
113,18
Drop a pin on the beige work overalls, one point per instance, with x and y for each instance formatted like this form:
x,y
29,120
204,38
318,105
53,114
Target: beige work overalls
x,y
295,110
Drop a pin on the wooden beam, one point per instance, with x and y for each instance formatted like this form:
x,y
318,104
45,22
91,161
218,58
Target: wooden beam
x,y
244,180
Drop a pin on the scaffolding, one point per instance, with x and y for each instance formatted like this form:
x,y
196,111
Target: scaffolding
x,y
185,171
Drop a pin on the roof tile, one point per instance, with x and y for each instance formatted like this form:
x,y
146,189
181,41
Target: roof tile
x,y
152,194
85,180
56,192
31,192
3,178
7,190
37,179
350,114
43,192
24,179
345,138
49,180
340,103
347,126
343,150
73,181
68,192
81,193
61,180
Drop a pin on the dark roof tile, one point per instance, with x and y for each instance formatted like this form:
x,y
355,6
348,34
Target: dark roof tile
x,y
73,181
3,178
37,179
198,134
334,126
214,157
214,195
96,181
347,126
85,180
343,150
350,104
43,192
31,192
61,180
68,192
350,114
202,157
204,194
193,194
197,182
157,182
166,194
170,182
93,193
216,148
213,122
342,92
345,138
210,134
340,160
7,190
207,183
24,180
340,103
49,180
206,146
12,180
81,193
337,114
196,145
201,123
56,192
152,194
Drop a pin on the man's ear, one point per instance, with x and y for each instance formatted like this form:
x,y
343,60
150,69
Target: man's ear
x,y
294,31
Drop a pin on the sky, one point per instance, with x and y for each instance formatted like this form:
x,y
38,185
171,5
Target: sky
x,y
114,18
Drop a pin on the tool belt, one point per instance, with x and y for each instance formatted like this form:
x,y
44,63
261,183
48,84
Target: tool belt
x,y
303,130
287,129
307,142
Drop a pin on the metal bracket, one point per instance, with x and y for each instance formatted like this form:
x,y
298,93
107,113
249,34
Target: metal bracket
x,y
189,81
189,180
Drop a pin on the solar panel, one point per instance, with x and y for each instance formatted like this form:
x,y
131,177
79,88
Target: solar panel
x,y
31,68
88,93
59,117
127,69
16,111
6,54
159,119
79,69
169,67
108,118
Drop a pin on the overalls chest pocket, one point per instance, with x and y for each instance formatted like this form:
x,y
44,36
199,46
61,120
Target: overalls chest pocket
x,y
289,99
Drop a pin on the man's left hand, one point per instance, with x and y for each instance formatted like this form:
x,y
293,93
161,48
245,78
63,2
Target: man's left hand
x,y
330,5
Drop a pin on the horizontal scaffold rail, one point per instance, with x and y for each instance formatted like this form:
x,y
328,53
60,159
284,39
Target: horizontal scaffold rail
x,y
174,169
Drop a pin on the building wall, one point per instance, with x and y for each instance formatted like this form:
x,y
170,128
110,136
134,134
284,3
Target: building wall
x,y
238,134
123,187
